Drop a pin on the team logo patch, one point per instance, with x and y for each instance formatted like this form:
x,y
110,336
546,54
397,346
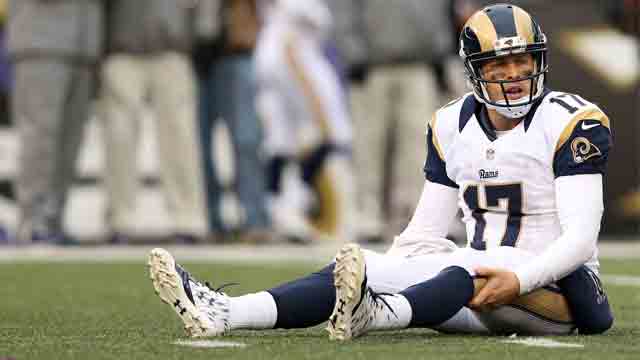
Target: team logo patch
x,y
583,150
491,154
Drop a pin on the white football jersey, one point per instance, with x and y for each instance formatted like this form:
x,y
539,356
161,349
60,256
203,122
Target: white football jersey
x,y
506,179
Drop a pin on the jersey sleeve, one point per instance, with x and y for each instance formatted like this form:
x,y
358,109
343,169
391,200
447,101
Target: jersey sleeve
x,y
583,146
435,168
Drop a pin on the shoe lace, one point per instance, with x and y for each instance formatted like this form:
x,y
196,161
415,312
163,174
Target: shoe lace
x,y
219,289
378,296
377,303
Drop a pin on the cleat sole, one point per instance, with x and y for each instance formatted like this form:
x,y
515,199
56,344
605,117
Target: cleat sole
x,y
168,285
348,275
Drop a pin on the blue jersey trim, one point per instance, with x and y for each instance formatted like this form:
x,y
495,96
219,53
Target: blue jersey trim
x,y
435,169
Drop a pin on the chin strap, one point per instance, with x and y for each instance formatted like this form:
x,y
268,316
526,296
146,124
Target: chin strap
x,y
512,112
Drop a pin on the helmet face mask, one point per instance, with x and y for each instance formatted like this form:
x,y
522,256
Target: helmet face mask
x,y
500,31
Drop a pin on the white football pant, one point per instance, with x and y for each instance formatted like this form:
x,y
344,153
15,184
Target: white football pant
x,y
392,274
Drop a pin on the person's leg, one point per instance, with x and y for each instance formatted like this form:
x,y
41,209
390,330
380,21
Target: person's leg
x,y
428,303
123,92
303,302
210,312
42,92
246,133
436,289
207,117
327,164
281,145
429,291
371,119
309,300
367,138
75,116
587,301
173,101
417,100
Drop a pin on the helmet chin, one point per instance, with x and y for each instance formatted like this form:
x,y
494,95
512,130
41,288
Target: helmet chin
x,y
515,110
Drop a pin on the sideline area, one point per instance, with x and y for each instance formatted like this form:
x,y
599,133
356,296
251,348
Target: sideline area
x,y
317,253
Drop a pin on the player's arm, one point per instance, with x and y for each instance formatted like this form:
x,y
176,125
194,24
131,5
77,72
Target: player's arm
x,y
430,222
436,208
580,158
580,207
579,165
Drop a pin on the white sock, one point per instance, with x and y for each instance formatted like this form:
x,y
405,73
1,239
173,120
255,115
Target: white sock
x,y
253,311
398,319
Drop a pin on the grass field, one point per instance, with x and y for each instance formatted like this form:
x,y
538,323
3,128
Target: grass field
x,y
109,311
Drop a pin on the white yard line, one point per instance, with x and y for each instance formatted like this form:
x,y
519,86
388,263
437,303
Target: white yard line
x,y
542,342
623,280
209,343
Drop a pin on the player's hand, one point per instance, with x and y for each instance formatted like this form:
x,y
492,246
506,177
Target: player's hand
x,y
502,287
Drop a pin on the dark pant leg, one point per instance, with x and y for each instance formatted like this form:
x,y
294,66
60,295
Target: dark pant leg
x,y
206,120
246,133
587,301
42,90
75,117
438,299
305,302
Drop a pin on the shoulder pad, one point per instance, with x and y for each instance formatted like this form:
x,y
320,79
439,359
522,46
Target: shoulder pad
x,y
580,133
445,123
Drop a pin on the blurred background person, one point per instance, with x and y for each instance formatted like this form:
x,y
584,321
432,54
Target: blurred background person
x,y
450,70
307,125
148,65
5,89
223,58
5,67
54,46
392,50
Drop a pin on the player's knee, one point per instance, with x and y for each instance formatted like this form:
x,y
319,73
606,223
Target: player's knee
x,y
326,271
597,324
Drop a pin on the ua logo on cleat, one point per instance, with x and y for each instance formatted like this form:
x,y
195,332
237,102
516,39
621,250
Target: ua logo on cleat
x,y
341,307
333,319
179,306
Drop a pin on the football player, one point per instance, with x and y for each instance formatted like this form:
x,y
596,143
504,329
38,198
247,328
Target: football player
x,y
305,120
526,165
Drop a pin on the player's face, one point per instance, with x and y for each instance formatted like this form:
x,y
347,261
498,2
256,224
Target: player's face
x,y
511,67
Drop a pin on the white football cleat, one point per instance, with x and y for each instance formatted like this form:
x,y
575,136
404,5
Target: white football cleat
x,y
204,311
356,304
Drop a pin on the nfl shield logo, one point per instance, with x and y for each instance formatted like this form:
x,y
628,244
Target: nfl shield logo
x,y
490,154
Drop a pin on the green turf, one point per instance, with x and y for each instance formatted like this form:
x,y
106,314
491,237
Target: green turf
x,y
109,311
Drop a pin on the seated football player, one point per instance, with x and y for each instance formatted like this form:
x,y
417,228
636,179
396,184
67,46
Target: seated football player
x,y
525,164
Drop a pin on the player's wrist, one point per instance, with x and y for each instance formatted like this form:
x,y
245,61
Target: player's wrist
x,y
525,281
